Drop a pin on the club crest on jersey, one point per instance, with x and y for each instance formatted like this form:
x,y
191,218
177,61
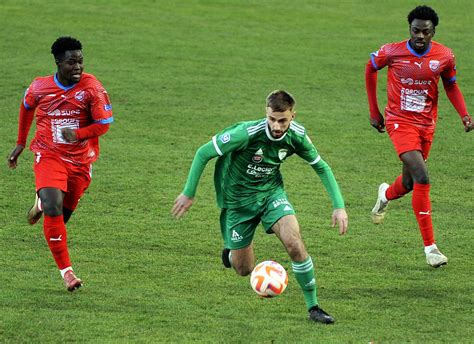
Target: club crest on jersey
x,y
225,138
282,154
79,95
258,157
434,65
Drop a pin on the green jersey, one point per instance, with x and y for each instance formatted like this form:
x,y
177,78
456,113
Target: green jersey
x,y
248,167
249,164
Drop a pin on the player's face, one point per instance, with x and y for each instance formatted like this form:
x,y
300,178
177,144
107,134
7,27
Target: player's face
x,y
421,33
70,67
279,122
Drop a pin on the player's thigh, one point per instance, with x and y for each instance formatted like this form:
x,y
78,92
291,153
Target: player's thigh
x,y
50,172
238,226
404,137
287,230
79,179
427,136
279,218
276,206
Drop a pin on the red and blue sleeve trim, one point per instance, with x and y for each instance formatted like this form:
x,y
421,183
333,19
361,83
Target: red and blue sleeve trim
x,y
105,120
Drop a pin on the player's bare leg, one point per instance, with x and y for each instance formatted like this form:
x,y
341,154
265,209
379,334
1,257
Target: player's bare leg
x,y
288,231
243,260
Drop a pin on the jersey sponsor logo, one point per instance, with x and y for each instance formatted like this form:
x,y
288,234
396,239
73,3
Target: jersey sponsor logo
x,y
434,65
225,138
258,157
79,95
418,64
57,125
276,203
410,82
260,171
108,107
236,237
282,154
413,100
58,112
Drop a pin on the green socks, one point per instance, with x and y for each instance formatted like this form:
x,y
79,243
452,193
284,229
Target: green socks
x,y
304,273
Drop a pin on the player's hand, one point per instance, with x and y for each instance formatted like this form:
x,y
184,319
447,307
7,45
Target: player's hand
x,y
181,205
69,134
468,124
340,216
13,157
378,123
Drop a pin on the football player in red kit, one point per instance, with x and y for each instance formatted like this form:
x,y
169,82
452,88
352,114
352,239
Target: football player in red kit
x,y
414,69
72,110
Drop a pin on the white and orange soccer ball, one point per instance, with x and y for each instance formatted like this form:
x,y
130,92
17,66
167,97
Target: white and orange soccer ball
x,y
269,279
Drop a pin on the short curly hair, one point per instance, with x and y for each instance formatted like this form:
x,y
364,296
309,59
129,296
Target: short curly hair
x,y
63,44
423,13
280,101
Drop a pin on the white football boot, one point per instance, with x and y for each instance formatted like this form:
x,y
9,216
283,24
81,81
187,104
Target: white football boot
x,y
36,211
378,212
435,258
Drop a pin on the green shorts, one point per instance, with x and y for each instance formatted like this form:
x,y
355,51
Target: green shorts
x,y
238,225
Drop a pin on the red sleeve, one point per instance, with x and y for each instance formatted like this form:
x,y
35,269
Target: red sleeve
x,y
24,123
91,131
455,97
371,88
100,106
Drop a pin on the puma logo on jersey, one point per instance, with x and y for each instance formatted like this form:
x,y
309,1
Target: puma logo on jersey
x,y
418,64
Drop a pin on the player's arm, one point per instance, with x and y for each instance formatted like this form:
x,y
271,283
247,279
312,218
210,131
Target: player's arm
x,y
93,130
456,98
330,184
184,201
24,124
376,118
308,152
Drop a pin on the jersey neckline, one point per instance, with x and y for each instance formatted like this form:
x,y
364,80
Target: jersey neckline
x,y
58,83
414,52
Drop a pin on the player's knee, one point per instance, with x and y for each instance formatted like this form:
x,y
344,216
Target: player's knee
x,y
52,207
296,251
422,178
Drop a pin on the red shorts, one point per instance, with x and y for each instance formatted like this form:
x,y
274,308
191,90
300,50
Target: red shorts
x,y
53,172
406,137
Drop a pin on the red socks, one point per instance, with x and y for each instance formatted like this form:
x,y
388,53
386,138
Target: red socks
x,y
396,190
55,233
422,208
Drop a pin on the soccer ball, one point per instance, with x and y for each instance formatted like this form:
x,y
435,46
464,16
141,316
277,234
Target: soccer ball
x,y
269,279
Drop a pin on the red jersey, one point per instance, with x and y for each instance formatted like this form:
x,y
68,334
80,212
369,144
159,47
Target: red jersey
x,y
412,82
58,106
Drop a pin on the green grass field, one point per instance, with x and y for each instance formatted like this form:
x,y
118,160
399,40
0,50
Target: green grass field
x,y
178,72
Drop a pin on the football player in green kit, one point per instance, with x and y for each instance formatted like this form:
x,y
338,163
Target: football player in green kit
x,y
249,189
